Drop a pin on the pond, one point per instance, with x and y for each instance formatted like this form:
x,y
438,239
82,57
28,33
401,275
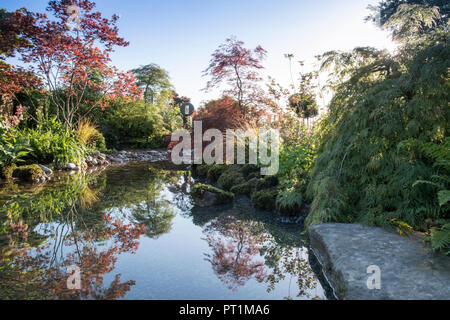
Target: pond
x,y
134,233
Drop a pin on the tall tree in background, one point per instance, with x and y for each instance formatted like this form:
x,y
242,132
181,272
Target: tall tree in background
x,y
386,9
152,79
290,56
75,62
238,66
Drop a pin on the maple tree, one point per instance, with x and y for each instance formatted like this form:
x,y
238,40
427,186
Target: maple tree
x,y
15,27
74,62
238,66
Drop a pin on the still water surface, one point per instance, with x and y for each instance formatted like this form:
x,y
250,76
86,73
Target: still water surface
x,y
134,233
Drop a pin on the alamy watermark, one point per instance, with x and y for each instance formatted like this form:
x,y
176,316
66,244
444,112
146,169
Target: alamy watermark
x,y
74,20
263,146
374,281
74,279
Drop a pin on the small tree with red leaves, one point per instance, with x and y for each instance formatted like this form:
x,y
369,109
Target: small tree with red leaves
x,y
74,63
15,27
237,66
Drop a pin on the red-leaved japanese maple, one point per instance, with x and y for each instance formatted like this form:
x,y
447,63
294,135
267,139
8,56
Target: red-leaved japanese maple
x,y
238,66
15,27
74,62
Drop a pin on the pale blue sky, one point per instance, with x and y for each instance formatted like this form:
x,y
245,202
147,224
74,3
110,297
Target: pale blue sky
x,y
180,35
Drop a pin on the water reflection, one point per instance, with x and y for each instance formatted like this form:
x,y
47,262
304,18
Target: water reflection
x,y
242,250
87,221
96,222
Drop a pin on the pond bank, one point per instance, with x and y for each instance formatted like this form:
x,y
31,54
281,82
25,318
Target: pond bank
x,y
40,173
409,269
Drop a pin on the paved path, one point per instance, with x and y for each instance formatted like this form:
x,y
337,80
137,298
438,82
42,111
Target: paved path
x,y
408,267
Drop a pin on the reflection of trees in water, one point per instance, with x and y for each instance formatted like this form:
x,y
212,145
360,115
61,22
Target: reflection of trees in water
x,y
235,245
41,273
243,249
71,215
140,196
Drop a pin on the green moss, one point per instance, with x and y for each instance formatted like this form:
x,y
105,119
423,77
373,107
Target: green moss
x,y
223,197
28,173
248,169
245,188
265,199
231,177
201,170
7,171
267,182
215,171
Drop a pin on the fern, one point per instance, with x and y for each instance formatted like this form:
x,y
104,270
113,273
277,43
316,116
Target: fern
x,y
440,239
289,200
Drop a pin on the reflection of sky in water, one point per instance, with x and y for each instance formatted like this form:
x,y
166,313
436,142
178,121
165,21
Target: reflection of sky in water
x,y
174,265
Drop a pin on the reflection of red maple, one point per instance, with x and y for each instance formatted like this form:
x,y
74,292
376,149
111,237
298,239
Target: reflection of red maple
x,y
235,246
45,280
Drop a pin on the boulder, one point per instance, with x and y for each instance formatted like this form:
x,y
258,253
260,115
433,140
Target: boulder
x,y
47,170
72,167
100,156
351,254
206,195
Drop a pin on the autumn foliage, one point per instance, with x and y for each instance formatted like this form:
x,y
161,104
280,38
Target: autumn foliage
x,y
15,27
73,63
237,66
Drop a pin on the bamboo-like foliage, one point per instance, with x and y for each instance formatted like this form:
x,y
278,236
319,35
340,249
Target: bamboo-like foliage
x,y
372,148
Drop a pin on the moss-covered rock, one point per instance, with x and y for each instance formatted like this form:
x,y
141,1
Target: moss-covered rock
x,y
245,188
231,177
265,199
200,170
254,175
267,182
248,169
215,171
30,173
7,171
206,195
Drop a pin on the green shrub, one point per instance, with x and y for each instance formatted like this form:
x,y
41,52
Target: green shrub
x,y
51,142
215,171
254,175
265,199
201,170
371,154
440,239
266,183
88,134
138,124
231,177
13,146
289,202
248,169
245,188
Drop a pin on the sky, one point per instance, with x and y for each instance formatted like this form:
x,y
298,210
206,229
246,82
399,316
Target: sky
x,y
181,35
